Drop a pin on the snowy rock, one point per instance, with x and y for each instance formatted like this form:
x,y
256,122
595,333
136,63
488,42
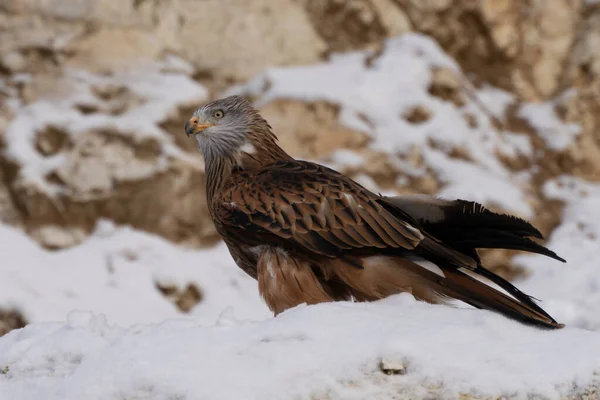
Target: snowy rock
x,y
102,152
376,99
522,47
311,130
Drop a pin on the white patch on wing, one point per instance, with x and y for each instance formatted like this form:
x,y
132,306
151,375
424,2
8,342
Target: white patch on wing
x,y
352,202
431,267
414,230
486,282
349,197
323,209
248,148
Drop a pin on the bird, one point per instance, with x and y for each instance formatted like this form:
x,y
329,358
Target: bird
x,y
310,234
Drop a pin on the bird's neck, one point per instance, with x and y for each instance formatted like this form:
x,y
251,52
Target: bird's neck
x,y
259,151
218,172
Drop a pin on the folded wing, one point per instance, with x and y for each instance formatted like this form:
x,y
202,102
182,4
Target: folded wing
x,y
316,208
318,214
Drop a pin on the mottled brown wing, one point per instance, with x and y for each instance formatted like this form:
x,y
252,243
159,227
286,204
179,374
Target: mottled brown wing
x,y
314,206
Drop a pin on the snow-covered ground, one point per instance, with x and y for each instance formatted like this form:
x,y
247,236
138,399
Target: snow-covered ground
x,y
571,291
328,351
115,272
102,330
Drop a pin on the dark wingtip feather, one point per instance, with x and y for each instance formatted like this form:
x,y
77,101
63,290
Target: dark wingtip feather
x,y
557,257
475,214
506,240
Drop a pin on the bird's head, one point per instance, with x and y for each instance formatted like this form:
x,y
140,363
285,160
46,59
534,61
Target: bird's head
x,y
223,126
231,127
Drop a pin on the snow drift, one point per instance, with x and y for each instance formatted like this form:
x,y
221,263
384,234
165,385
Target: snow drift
x,y
327,351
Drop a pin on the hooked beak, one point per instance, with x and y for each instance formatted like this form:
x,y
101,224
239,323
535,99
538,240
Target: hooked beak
x,y
193,126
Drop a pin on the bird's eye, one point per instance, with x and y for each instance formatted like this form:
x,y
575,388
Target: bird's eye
x,y
218,114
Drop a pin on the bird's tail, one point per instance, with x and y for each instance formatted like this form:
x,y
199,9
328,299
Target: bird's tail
x,y
468,287
382,276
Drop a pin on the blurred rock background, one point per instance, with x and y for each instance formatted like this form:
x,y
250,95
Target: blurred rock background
x,y
94,95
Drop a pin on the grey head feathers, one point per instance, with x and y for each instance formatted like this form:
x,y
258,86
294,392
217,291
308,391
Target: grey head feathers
x,y
231,131
222,126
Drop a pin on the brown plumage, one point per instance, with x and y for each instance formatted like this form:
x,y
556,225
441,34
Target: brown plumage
x,y
309,234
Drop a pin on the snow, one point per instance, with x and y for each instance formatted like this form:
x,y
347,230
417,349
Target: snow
x,y
115,272
375,98
346,158
159,93
571,292
490,189
380,93
556,134
102,330
328,351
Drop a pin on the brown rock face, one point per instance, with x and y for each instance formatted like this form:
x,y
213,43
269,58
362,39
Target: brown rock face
x,y
346,25
238,39
311,130
516,45
232,39
92,147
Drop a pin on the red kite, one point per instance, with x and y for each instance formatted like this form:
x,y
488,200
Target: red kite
x,y
309,234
